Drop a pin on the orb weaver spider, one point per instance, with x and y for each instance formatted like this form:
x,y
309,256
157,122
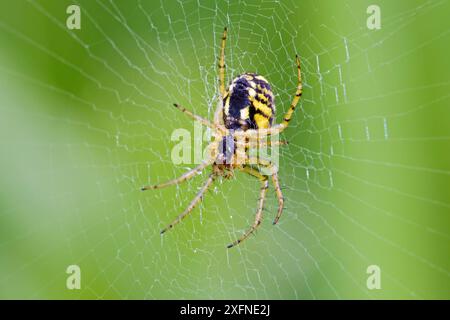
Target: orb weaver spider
x,y
248,111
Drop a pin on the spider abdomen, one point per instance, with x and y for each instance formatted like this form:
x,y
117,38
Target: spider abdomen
x,y
248,103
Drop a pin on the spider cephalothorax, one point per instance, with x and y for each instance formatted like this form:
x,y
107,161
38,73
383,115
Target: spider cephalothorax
x,y
248,112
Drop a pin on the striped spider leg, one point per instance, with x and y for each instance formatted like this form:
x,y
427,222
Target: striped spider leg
x,y
264,180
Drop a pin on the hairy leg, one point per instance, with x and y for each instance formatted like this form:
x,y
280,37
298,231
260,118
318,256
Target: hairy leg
x,y
297,96
212,149
262,196
276,183
199,119
194,202
222,66
275,180
222,63
186,176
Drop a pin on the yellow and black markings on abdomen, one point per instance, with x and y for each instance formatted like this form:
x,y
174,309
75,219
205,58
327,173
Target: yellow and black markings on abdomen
x,y
248,103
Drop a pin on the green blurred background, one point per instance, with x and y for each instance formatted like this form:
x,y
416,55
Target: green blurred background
x,y
86,120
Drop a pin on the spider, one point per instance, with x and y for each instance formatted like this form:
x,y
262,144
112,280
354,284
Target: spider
x,y
247,108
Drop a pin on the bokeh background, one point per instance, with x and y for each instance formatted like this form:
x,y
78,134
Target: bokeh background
x,y
86,120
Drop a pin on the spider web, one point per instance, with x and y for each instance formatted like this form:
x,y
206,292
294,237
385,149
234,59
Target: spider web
x,y
87,120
